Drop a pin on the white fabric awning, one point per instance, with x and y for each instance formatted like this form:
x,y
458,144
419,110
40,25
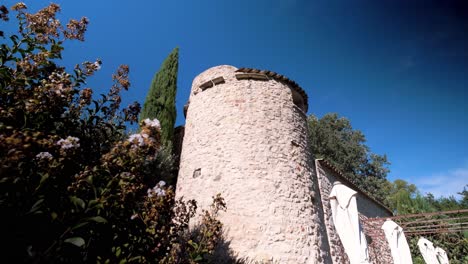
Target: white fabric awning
x,y
346,219
441,255
427,251
398,245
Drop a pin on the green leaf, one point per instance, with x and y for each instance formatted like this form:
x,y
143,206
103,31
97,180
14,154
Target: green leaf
x,y
77,241
79,225
77,202
36,206
97,219
193,244
96,105
93,203
44,178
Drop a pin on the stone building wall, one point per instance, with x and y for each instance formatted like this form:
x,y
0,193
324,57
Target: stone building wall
x,y
247,139
379,250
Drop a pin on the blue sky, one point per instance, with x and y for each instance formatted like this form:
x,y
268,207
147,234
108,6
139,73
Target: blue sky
x,y
397,69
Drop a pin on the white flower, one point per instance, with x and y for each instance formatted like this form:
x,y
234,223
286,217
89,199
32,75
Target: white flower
x,y
138,139
157,190
44,155
150,193
133,217
97,65
69,142
152,123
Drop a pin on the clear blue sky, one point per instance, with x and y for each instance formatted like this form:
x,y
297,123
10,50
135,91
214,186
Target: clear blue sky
x,y
397,70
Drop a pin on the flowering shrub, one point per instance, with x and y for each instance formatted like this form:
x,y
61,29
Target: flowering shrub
x,y
73,186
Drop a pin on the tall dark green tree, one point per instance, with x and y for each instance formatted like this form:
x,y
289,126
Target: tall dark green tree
x,y
334,139
160,101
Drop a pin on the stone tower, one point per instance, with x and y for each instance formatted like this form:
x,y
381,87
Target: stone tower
x,y
246,138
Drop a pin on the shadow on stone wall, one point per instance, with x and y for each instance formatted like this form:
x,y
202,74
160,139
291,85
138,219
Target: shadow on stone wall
x,y
224,255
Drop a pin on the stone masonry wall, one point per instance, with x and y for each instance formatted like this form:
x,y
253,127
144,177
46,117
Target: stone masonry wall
x,y
248,141
379,251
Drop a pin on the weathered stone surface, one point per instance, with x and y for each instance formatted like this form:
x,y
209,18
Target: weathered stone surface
x,y
248,141
379,249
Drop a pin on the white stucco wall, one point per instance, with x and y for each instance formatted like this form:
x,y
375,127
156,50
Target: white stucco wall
x,y
249,141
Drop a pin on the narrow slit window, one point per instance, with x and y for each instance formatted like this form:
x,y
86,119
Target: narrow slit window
x,y
211,83
206,85
254,76
197,173
218,80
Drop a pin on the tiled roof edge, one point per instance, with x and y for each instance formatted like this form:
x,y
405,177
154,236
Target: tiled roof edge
x,y
280,78
352,184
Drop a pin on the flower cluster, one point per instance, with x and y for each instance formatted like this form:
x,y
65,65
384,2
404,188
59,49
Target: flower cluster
x,y
86,96
44,156
152,123
58,84
150,129
157,190
91,67
131,112
44,23
19,6
69,143
139,139
76,29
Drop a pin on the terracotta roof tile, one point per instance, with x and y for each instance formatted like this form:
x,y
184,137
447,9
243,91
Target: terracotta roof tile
x,y
352,184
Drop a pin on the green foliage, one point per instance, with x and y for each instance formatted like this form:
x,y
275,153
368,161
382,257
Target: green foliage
x,y
334,139
455,244
404,198
160,101
73,187
464,200
200,244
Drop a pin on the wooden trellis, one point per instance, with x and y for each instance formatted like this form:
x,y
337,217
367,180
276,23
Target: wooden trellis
x,y
424,223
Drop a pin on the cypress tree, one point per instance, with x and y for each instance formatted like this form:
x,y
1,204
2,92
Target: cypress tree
x,y
160,101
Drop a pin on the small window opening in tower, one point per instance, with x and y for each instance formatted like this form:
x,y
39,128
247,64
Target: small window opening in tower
x,y
211,83
218,80
197,173
298,100
253,76
206,85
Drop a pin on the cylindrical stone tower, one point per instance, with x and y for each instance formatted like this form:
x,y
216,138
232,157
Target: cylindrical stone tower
x,y
246,138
